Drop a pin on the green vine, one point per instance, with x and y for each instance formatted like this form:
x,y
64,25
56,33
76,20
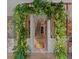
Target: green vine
x,y
60,32
48,9
21,51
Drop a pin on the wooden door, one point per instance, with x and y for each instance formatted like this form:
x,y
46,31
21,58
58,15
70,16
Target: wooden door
x,y
40,35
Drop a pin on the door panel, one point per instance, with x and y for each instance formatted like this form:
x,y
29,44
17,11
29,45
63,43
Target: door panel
x,y
40,35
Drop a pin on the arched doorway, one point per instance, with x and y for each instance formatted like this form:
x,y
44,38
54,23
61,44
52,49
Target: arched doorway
x,y
40,37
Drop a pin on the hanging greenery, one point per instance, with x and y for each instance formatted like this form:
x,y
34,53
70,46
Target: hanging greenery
x,y
60,32
48,9
21,51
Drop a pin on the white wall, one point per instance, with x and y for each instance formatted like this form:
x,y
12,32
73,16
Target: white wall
x,y
12,3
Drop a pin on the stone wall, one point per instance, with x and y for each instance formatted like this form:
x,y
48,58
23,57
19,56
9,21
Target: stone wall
x,y
10,34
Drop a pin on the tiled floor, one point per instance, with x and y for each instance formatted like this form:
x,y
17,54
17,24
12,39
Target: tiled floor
x,y
39,56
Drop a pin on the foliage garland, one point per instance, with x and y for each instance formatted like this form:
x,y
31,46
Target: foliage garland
x,y
48,9
60,32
